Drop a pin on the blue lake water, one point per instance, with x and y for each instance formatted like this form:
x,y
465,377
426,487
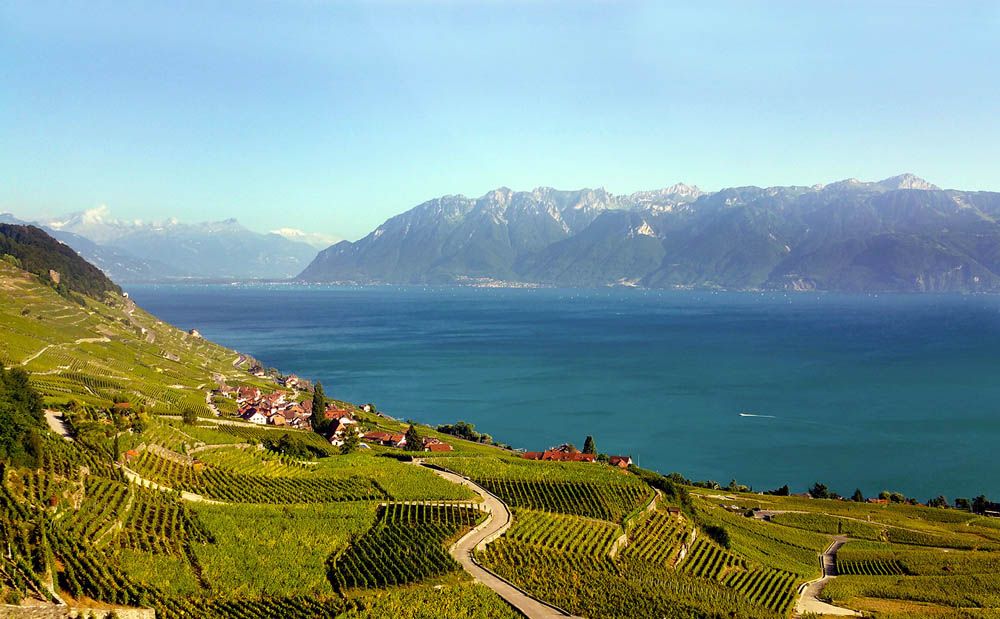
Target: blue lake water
x,y
887,392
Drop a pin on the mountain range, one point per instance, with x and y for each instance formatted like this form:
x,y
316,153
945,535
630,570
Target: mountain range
x,y
130,251
898,234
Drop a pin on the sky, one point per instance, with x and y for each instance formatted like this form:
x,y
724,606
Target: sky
x,y
333,116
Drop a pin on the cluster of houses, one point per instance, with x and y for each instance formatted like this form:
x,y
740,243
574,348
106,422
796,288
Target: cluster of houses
x,y
568,453
393,439
270,408
277,409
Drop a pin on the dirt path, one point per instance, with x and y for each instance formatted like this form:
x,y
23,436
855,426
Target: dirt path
x,y
766,514
37,354
135,478
498,521
809,601
56,424
211,405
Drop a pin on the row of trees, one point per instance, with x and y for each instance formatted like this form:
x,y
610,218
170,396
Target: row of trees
x,y
977,505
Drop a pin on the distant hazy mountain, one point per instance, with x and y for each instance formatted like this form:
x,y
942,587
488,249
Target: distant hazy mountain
x,y
315,239
899,234
138,251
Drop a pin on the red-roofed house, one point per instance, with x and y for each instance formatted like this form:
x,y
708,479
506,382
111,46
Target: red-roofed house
x,y
336,413
435,444
620,461
388,439
553,455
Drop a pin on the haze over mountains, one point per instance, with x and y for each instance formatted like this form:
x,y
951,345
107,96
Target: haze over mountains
x,y
131,251
898,234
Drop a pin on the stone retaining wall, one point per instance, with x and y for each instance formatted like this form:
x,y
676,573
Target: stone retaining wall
x,y
52,611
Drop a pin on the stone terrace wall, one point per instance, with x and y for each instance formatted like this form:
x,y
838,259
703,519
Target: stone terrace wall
x,y
62,612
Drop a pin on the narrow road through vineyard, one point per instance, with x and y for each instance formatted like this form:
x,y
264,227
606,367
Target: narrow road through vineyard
x,y
498,521
809,601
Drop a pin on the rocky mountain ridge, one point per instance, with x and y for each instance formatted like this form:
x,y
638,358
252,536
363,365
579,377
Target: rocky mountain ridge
x,y
898,234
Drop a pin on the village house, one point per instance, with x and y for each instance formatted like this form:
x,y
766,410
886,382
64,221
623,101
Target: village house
x,y
620,461
338,428
336,413
253,415
386,439
273,400
225,390
562,453
435,444
247,394
553,455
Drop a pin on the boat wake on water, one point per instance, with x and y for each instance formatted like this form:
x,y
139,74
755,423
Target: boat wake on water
x,y
756,415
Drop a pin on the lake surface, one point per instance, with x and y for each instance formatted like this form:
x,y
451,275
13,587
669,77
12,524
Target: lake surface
x,y
886,392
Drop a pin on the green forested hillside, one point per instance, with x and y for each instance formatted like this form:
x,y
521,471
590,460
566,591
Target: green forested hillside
x,y
35,251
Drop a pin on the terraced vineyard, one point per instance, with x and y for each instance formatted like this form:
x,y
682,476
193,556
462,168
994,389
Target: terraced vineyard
x,y
610,502
407,544
870,568
158,524
657,539
602,587
223,485
771,589
105,500
709,560
253,461
560,532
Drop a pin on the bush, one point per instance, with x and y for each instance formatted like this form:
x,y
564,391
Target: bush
x,y
719,534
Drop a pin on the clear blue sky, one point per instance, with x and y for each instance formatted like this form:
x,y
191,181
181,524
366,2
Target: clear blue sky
x,y
334,116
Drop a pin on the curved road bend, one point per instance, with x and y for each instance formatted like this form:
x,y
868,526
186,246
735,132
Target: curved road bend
x,y
809,601
497,521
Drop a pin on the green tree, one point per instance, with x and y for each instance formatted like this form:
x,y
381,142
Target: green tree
x,y
351,441
719,535
979,504
189,416
819,491
318,408
413,440
938,501
21,418
588,445
782,491
857,497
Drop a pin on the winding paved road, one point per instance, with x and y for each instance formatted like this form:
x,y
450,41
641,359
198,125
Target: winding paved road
x,y
498,521
809,601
